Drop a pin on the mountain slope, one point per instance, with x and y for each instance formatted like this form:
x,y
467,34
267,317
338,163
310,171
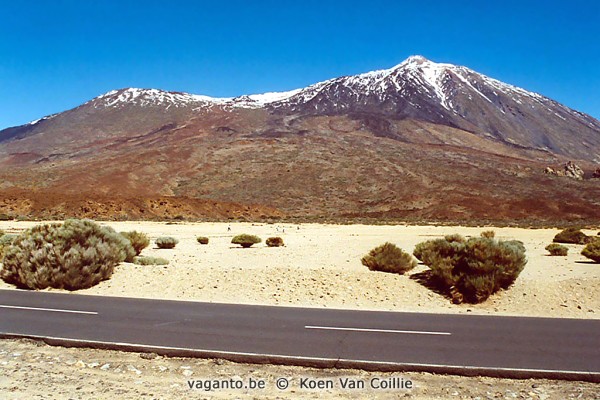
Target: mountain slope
x,y
457,97
418,141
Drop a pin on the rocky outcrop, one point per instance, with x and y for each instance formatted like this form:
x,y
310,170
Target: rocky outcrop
x,y
569,170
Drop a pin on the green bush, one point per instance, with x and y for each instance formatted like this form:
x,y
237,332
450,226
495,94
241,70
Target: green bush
x,y
455,238
139,241
202,239
571,235
5,217
274,242
75,255
421,249
389,258
246,240
556,249
166,242
592,250
150,261
488,234
439,248
474,269
5,241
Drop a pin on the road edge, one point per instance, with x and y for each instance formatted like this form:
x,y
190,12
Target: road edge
x,y
314,362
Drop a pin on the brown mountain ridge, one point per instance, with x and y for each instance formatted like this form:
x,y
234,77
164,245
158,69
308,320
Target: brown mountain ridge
x,y
419,141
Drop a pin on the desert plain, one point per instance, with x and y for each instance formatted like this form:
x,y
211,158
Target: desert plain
x,y
319,266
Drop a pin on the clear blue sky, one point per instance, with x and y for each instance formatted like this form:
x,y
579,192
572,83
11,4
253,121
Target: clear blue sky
x,y
55,55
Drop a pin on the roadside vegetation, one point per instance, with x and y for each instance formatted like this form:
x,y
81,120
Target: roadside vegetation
x,y
274,242
389,258
471,270
556,249
76,254
166,242
5,240
146,260
139,241
245,240
571,236
592,250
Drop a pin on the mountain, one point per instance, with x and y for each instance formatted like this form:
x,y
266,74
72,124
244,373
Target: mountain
x,y
420,140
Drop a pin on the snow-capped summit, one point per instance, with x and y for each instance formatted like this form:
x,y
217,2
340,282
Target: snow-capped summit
x,y
150,97
417,89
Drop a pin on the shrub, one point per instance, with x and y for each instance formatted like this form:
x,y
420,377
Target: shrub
x,y
570,235
202,239
5,241
75,255
274,242
455,238
592,250
150,261
488,234
439,248
166,242
556,249
389,258
5,217
421,249
474,269
139,241
246,240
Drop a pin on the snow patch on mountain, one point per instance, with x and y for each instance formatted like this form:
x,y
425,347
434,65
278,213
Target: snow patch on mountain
x,y
439,82
47,117
151,97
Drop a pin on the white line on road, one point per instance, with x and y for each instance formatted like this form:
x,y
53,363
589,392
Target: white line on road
x,y
334,328
50,309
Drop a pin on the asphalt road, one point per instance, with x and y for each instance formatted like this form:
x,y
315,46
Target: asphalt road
x,y
463,344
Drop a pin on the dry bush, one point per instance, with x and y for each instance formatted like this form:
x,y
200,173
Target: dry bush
x,y
472,270
556,249
139,241
75,255
150,261
166,242
5,241
431,250
274,242
389,258
246,240
592,250
488,234
202,239
571,235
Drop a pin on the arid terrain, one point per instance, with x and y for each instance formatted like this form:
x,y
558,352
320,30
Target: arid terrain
x,y
423,148
421,141
319,267
34,371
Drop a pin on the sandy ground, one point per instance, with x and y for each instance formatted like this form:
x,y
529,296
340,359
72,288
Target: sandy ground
x,y
30,370
320,267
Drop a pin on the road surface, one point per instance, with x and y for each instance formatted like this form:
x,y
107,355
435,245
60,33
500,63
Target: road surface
x,y
444,343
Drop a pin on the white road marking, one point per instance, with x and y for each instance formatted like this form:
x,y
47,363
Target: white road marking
x,y
335,328
281,357
50,309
